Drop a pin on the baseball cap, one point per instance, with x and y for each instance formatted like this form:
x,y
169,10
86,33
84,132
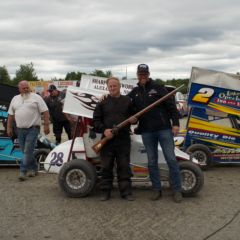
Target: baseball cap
x,y
51,88
143,68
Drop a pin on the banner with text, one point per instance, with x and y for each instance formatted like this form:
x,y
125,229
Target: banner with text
x,y
99,84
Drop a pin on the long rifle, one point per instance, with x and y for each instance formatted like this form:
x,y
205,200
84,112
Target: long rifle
x,y
98,146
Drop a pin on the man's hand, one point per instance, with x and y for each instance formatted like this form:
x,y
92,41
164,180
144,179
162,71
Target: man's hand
x,y
10,125
108,133
175,130
10,131
46,129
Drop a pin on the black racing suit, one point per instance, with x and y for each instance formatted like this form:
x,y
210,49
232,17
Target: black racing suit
x,y
109,112
59,120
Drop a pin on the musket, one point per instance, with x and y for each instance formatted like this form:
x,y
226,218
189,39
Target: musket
x,y
98,146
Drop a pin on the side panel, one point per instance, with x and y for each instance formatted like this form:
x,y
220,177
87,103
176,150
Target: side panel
x,y
218,99
211,120
59,155
8,153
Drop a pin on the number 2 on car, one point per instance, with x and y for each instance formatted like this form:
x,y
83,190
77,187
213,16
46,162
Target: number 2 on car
x,y
203,95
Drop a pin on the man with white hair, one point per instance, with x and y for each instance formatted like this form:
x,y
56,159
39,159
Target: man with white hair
x,y
114,109
26,109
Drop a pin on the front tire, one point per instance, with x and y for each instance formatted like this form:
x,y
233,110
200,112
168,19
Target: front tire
x,y
192,178
201,153
77,178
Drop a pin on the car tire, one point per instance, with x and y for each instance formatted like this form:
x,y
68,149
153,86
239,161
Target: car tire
x,y
77,178
202,154
192,178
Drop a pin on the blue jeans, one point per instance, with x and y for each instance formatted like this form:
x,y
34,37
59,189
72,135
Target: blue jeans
x,y
27,138
165,138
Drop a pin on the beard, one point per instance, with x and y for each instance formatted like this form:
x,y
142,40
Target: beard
x,y
25,96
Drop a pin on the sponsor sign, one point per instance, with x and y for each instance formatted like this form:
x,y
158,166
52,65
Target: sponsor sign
x,y
224,100
41,87
99,84
215,90
81,101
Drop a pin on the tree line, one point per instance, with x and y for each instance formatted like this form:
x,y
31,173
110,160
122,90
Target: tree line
x,y
27,72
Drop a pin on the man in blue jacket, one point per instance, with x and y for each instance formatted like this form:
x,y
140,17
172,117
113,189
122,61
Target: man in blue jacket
x,y
159,125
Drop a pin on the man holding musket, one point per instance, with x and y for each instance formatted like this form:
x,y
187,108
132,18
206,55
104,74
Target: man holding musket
x,y
111,111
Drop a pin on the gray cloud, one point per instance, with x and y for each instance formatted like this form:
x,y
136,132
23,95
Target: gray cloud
x,y
77,35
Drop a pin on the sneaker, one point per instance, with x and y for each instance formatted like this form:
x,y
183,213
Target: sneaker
x,y
156,195
177,197
106,195
31,173
22,176
128,198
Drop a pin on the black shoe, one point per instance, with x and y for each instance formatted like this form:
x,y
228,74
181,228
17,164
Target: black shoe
x,y
156,195
106,195
177,197
128,197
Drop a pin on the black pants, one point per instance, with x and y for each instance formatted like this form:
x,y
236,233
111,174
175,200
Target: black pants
x,y
120,156
58,128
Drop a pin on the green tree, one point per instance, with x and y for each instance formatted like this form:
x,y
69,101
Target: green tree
x,y
25,72
178,83
100,73
74,76
4,76
159,81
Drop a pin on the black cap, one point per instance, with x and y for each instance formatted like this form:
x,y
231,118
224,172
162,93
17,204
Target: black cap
x,y
51,88
143,68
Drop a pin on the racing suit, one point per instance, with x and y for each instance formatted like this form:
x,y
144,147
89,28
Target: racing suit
x,y
109,112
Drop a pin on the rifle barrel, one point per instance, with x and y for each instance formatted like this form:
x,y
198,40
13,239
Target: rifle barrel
x,y
98,146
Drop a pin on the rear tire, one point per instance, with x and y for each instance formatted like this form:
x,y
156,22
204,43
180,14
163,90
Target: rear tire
x,y
192,178
77,178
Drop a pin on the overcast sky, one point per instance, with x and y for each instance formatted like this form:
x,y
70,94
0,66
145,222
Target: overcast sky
x,y
171,36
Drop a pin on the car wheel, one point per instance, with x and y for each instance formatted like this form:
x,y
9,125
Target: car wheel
x,y
77,178
192,178
201,153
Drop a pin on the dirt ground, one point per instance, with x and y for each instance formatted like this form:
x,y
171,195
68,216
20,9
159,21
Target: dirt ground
x,y
37,209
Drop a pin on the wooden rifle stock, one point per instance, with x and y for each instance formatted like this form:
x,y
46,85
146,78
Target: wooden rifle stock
x,y
98,146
